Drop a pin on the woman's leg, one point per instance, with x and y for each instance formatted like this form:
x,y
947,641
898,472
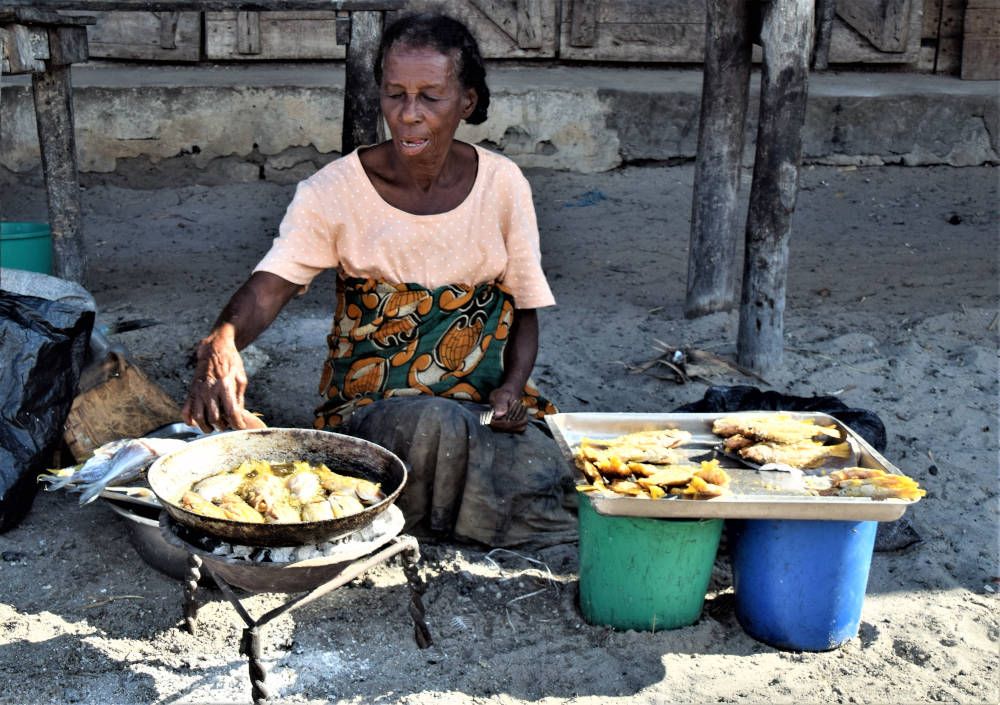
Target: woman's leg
x,y
469,481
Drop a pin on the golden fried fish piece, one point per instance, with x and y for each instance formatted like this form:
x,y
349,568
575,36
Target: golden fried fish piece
x,y
712,473
772,427
588,468
627,487
668,476
660,438
367,491
736,442
803,454
317,511
194,502
303,485
698,487
213,487
233,506
344,505
873,483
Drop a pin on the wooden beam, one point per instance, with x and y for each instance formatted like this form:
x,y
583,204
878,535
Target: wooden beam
x,y
207,5
825,12
248,32
54,114
362,111
786,38
583,23
24,49
68,45
711,278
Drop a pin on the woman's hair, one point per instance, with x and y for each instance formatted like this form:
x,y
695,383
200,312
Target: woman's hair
x,y
445,35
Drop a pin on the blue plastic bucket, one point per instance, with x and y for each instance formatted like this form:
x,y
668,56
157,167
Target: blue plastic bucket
x,y
26,246
800,585
644,574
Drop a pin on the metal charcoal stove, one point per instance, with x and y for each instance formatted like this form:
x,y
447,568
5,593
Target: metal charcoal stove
x,y
308,571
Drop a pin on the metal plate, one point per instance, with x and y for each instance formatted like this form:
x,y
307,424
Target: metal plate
x,y
753,494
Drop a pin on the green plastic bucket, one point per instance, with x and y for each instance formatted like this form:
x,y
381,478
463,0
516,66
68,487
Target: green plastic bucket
x,y
644,574
26,246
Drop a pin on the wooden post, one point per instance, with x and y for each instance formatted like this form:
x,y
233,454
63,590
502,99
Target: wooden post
x,y
825,11
362,111
54,116
711,279
786,38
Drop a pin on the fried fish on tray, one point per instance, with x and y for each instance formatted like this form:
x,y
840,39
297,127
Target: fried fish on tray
x,y
611,456
772,427
874,483
803,454
702,481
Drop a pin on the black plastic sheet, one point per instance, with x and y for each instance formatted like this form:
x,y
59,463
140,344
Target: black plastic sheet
x,y
43,344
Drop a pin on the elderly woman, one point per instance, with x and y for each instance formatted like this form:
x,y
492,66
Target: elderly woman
x,y
437,251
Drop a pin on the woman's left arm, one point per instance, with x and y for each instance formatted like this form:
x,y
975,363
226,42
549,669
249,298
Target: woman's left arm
x,y
519,359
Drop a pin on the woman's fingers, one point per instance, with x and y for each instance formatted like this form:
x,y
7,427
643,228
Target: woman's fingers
x,y
514,421
216,398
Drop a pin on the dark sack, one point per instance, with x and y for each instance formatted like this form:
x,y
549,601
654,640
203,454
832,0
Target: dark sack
x,y
743,398
43,344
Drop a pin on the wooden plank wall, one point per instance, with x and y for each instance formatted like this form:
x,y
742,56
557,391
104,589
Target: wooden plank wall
x,y
272,36
921,35
981,40
145,36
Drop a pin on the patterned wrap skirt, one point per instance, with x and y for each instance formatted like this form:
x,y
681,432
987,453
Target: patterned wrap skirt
x,y
410,369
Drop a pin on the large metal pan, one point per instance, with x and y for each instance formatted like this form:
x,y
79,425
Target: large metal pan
x,y
173,474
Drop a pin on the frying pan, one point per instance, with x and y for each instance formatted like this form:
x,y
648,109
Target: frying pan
x,y
171,475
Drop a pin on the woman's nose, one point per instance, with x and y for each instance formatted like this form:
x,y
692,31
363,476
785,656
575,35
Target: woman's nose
x,y
411,109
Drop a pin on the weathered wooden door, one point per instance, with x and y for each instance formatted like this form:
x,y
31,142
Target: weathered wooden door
x,y
504,29
146,36
272,36
865,31
877,31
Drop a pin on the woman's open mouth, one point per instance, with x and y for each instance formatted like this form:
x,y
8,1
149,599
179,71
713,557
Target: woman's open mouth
x,y
412,146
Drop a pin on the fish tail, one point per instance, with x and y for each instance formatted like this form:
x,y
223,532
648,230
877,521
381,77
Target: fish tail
x,y
841,450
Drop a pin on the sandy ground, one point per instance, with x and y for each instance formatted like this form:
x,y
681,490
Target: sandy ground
x,y
892,306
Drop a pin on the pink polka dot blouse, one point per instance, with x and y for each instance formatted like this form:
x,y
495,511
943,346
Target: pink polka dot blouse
x,y
338,219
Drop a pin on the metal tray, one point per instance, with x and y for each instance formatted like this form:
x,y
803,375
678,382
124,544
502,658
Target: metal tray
x,y
754,494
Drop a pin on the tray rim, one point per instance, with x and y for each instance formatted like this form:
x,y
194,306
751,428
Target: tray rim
x,y
728,507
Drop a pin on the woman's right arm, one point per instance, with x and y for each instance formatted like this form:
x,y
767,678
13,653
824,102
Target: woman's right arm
x,y
215,400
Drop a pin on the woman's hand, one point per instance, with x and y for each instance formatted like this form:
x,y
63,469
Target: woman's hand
x,y
509,413
215,400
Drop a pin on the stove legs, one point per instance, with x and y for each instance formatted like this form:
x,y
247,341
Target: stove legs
x,y
191,592
411,559
250,647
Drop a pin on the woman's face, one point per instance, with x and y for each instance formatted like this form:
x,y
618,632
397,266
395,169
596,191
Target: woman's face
x,y
423,102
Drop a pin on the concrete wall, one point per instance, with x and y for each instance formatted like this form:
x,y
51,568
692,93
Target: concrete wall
x,y
280,123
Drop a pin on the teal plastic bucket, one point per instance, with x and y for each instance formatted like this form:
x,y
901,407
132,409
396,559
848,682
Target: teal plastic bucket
x,y
800,585
26,246
644,574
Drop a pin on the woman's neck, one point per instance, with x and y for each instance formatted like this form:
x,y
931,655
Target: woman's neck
x,y
421,189
425,175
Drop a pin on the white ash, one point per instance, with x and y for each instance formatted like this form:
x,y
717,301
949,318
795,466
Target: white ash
x,y
385,524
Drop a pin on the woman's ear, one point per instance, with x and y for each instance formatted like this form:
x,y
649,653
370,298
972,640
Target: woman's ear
x,y
469,100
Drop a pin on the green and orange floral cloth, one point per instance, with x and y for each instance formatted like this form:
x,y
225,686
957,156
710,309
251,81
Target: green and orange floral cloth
x,y
394,340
